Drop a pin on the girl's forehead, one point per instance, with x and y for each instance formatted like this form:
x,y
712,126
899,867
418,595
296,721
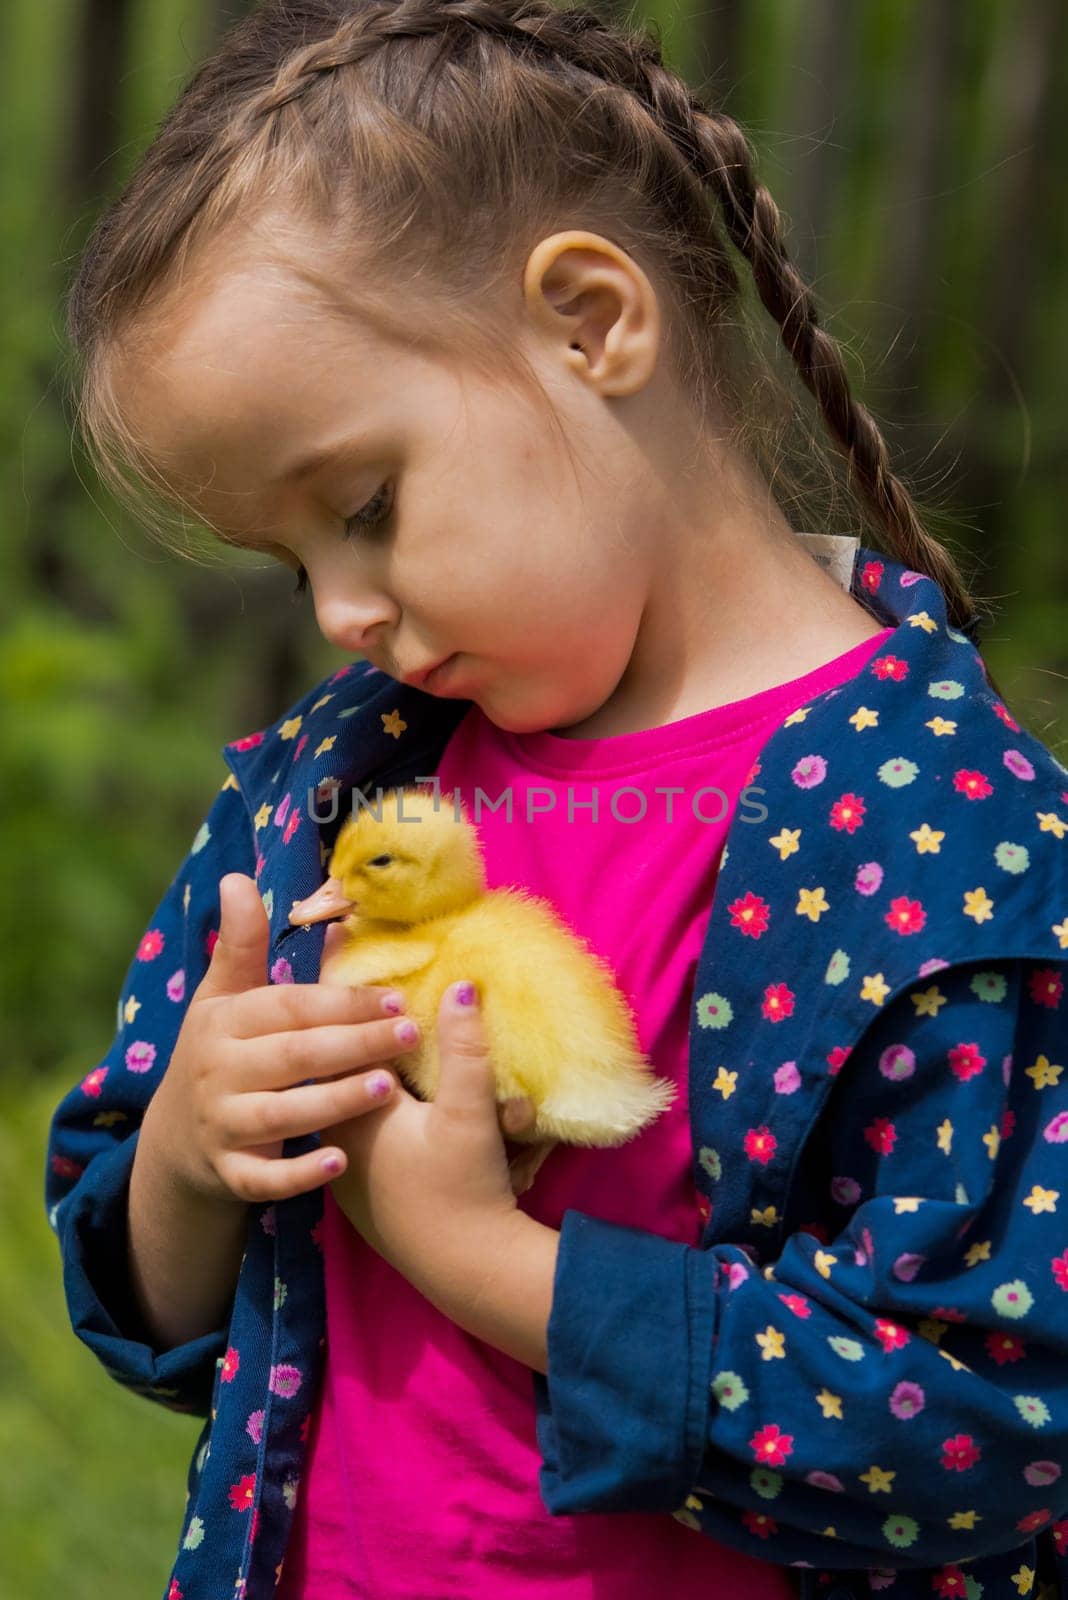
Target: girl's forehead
x,y
233,371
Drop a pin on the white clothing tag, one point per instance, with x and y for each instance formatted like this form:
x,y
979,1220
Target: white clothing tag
x,y
835,552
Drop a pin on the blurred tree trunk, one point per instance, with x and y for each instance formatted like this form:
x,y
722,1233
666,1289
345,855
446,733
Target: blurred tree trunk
x,y
821,88
224,13
95,125
1024,108
95,132
718,45
915,199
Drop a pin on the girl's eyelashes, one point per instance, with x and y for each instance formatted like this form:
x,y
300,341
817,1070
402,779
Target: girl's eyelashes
x,y
369,519
362,522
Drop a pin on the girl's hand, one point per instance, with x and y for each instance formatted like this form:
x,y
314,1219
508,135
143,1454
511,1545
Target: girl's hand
x,y
235,1086
427,1183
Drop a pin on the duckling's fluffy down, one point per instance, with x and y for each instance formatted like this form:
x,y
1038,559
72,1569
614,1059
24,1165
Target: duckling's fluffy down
x,y
557,1027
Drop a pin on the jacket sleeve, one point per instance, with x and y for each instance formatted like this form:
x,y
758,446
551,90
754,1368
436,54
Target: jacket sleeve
x,y
894,1393
94,1130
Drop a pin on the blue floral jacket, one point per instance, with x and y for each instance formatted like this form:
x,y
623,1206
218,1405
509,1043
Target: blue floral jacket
x,y
862,1372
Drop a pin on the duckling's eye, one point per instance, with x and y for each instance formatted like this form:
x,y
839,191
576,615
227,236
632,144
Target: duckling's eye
x,y
380,861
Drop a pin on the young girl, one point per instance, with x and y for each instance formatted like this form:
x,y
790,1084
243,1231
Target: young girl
x,y
435,303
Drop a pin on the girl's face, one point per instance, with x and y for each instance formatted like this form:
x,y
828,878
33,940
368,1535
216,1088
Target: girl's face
x,y
443,516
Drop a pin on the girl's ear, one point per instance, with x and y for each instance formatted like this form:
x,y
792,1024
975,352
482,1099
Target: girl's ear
x,y
593,301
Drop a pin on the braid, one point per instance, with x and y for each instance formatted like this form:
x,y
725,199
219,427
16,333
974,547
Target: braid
x,y
723,157
755,227
362,31
718,151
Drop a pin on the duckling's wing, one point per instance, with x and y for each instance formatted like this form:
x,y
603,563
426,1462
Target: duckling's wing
x,y
376,959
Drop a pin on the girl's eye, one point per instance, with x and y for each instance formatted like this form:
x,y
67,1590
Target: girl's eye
x,y
371,517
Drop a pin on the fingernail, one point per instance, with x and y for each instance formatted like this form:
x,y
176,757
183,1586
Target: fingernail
x,y
331,1163
393,1003
407,1031
465,994
379,1084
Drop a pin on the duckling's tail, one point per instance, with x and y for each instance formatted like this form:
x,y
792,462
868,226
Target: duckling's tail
x,y
621,1108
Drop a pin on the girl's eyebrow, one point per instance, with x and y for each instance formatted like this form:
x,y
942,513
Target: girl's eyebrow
x,y
306,465
263,547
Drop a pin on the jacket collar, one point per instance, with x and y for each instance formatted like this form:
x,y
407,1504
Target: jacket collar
x,y
360,729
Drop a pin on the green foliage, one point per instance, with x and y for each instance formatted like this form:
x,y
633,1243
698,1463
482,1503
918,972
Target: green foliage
x,y
94,1485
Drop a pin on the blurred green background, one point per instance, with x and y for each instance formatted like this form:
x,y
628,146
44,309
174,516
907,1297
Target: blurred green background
x,y
918,151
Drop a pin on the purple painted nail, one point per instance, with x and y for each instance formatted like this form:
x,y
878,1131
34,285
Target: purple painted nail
x,y
465,994
393,1003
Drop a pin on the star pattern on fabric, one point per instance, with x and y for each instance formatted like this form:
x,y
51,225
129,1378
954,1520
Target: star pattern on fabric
x,y
1044,1073
863,717
772,1344
874,988
978,904
786,842
929,1002
812,903
725,1083
878,1481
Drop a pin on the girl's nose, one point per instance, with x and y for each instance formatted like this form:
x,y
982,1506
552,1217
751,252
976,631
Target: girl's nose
x,y
355,624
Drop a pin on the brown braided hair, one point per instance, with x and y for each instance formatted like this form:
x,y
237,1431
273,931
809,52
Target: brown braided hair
x,y
459,132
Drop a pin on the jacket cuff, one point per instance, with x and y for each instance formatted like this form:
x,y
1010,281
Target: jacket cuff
x,y
622,1414
93,1230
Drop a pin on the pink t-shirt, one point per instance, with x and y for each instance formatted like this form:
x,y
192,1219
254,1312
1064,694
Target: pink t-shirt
x,y
421,1479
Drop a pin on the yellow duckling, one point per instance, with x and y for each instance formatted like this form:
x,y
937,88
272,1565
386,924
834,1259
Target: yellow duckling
x,y
408,876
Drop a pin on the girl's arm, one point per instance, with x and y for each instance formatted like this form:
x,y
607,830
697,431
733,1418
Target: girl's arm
x,y
895,1396
94,1138
184,1250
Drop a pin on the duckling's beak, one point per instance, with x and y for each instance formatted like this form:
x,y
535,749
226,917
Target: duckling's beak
x,y
328,901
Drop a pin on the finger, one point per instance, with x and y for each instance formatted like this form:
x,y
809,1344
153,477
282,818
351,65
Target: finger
x,y
260,1119
334,937
466,1082
281,1006
278,1060
263,1178
516,1116
239,959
